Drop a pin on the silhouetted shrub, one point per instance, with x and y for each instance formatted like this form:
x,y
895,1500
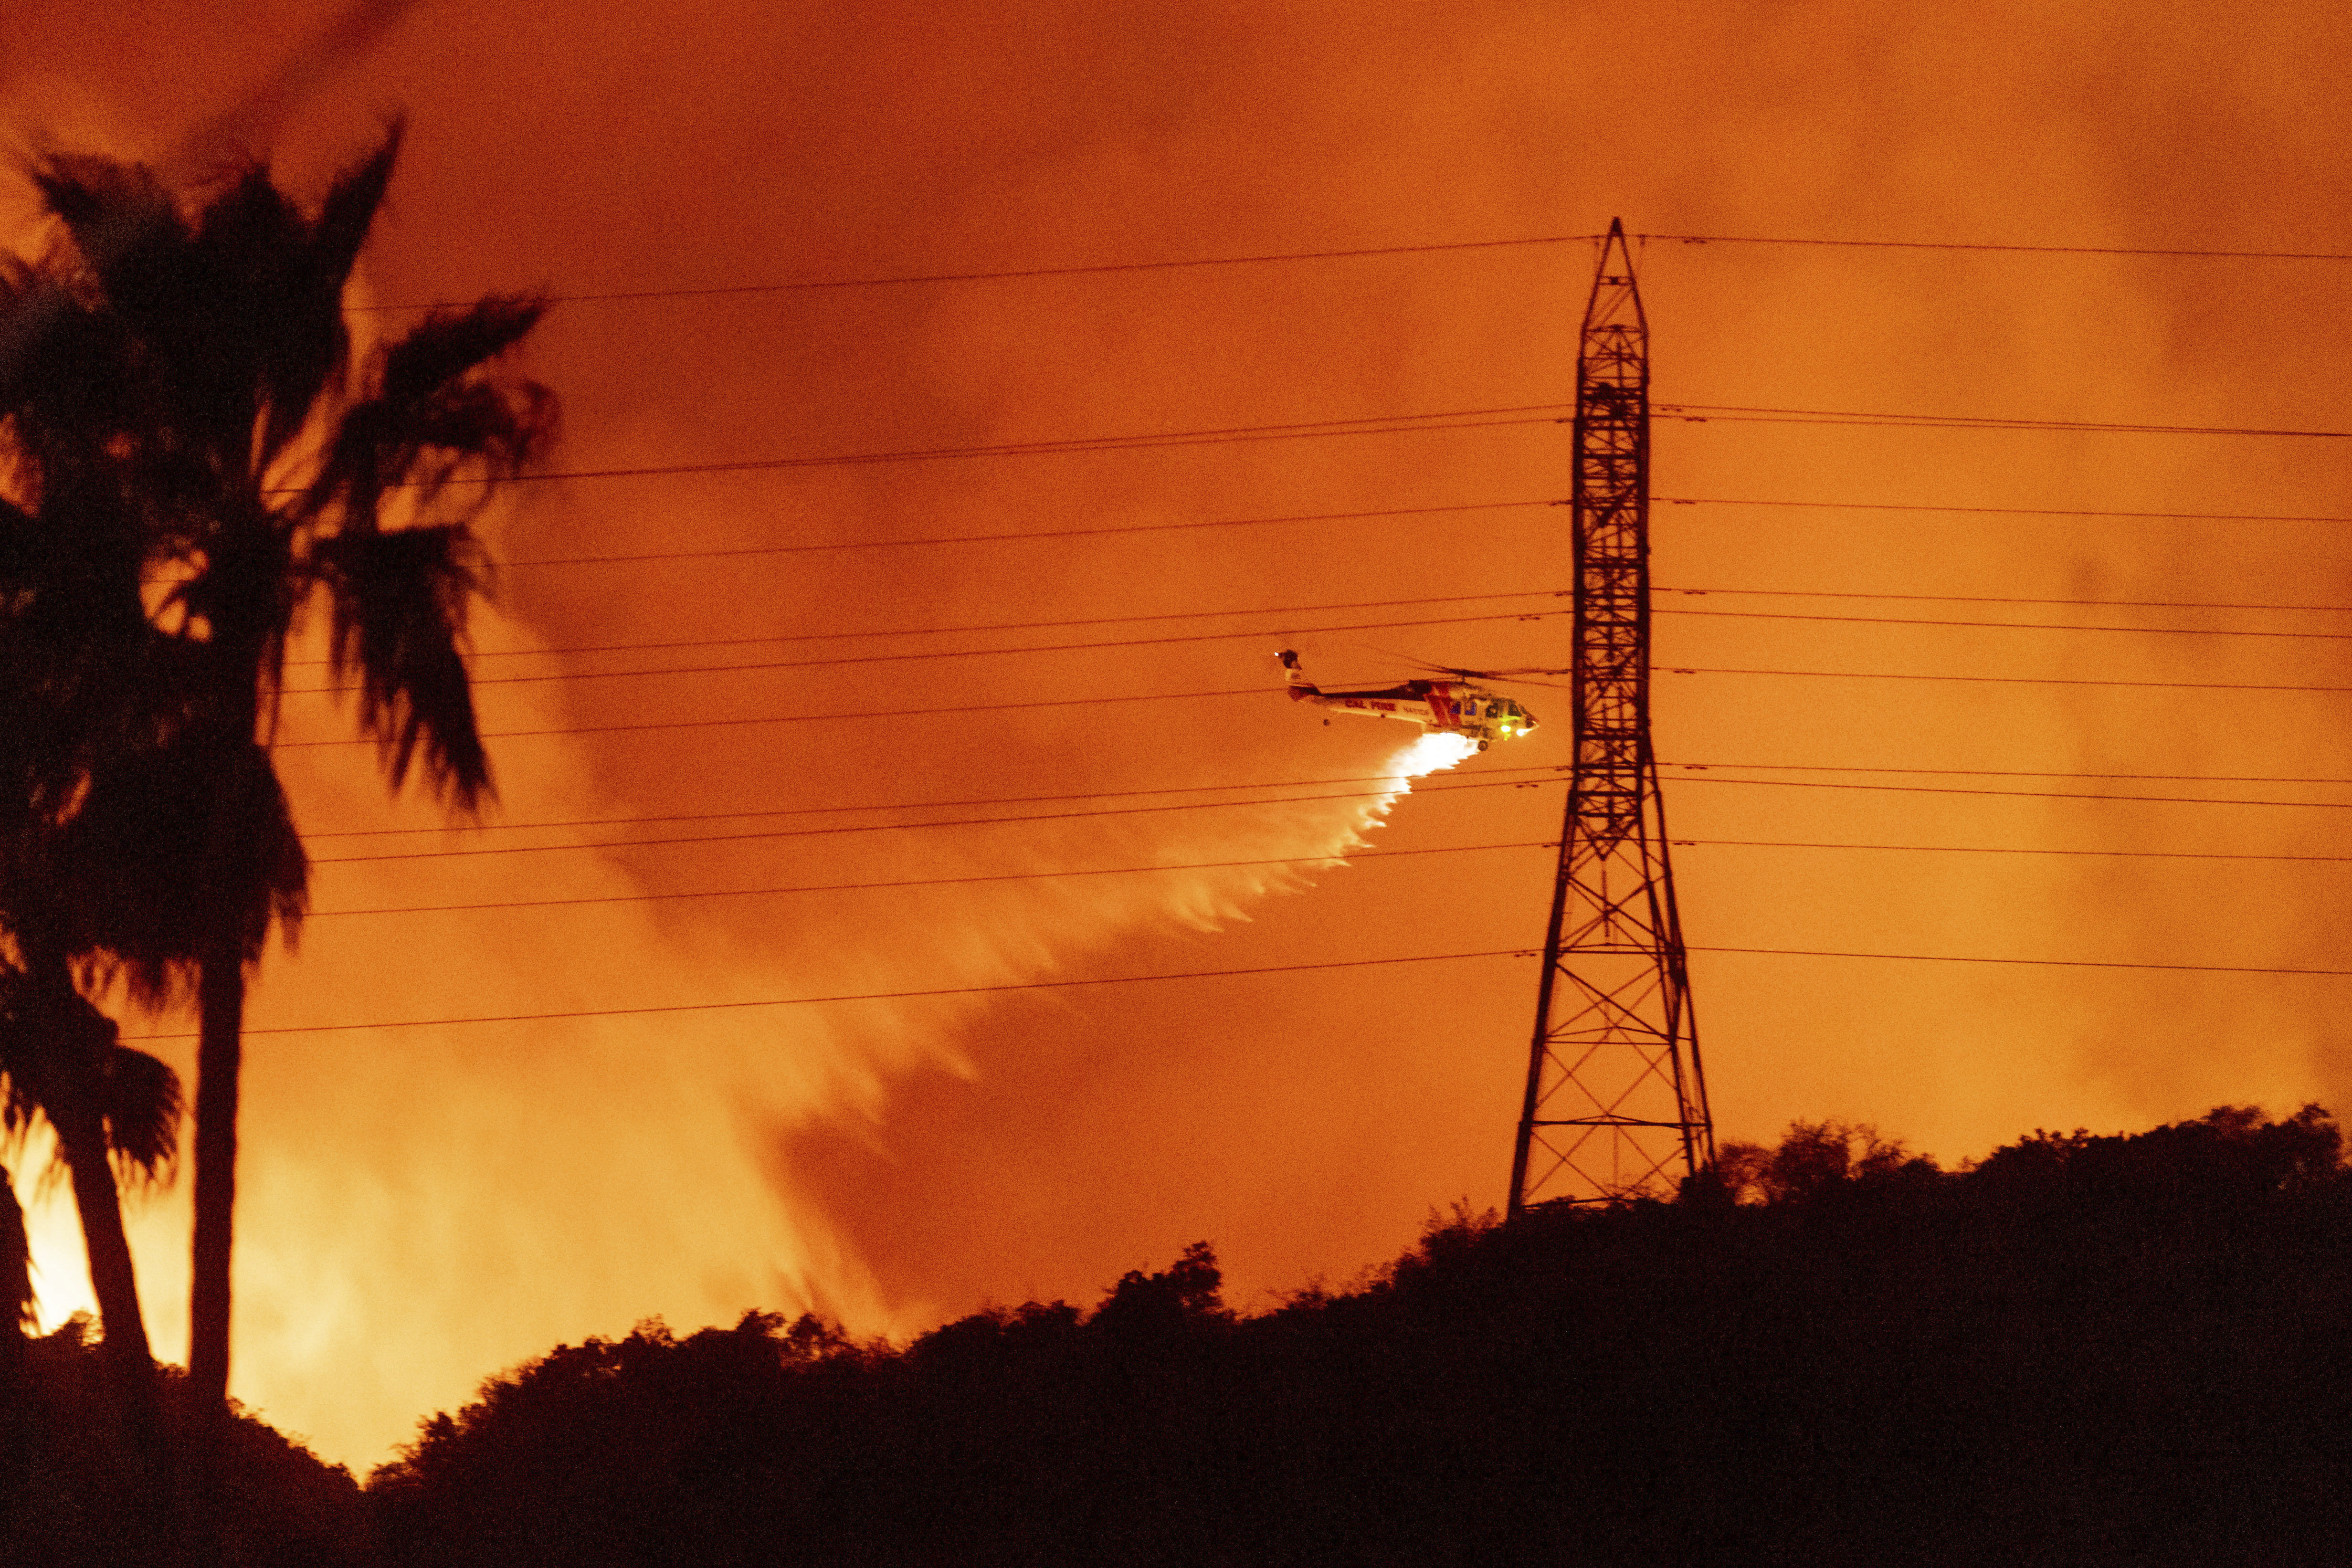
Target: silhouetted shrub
x,y
281,1506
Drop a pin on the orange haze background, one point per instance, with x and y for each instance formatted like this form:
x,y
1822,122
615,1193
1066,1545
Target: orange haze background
x,y
422,1207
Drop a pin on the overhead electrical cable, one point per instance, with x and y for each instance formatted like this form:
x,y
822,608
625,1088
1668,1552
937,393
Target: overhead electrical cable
x,y
2023,249
1305,430
2010,794
814,717
1333,859
2004,850
949,822
1998,625
745,667
1373,424
2039,963
868,996
1022,535
2006,599
2010,773
1264,691
1205,975
1701,414
1399,781
1261,632
1034,534
1994,680
1027,534
1348,855
1397,789
2002,511
897,280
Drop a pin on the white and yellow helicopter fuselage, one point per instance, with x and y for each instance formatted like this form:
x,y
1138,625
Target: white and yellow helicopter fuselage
x,y
1450,707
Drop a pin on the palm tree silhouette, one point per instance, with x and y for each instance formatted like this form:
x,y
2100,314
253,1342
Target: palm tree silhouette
x,y
192,372
113,1108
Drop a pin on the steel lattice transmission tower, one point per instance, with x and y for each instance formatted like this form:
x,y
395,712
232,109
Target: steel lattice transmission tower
x,y
1616,1102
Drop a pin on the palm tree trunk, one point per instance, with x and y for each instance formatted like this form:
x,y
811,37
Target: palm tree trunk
x,y
73,1098
81,1140
148,1503
73,1102
220,995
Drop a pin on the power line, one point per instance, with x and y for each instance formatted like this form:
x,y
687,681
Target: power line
x,y
575,676
2002,511
2001,626
1334,858
1035,534
1024,535
1392,512
2045,963
1286,610
2004,598
1205,975
988,652
1996,680
2023,249
894,827
1703,413
905,279
815,717
991,627
1097,268
2011,794
866,996
1395,778
1375,424
1268,691
2002,850
1398,788
2010,773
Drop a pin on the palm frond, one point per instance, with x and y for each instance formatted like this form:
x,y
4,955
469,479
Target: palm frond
x,y
434,412
263,341
400,599
128,229
351,205
143,1105
168,844
69,378
448,345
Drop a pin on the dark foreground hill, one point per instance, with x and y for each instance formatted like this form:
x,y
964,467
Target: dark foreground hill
x,y
2083,1351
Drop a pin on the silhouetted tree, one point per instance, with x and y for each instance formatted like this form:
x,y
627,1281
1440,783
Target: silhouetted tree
x,y
1187,1294
194,365
1812,1159
110,1107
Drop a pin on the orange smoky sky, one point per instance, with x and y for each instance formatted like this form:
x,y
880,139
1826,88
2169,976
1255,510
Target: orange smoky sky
x,y
423,1206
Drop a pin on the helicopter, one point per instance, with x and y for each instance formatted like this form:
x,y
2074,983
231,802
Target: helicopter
x,y
1450,707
